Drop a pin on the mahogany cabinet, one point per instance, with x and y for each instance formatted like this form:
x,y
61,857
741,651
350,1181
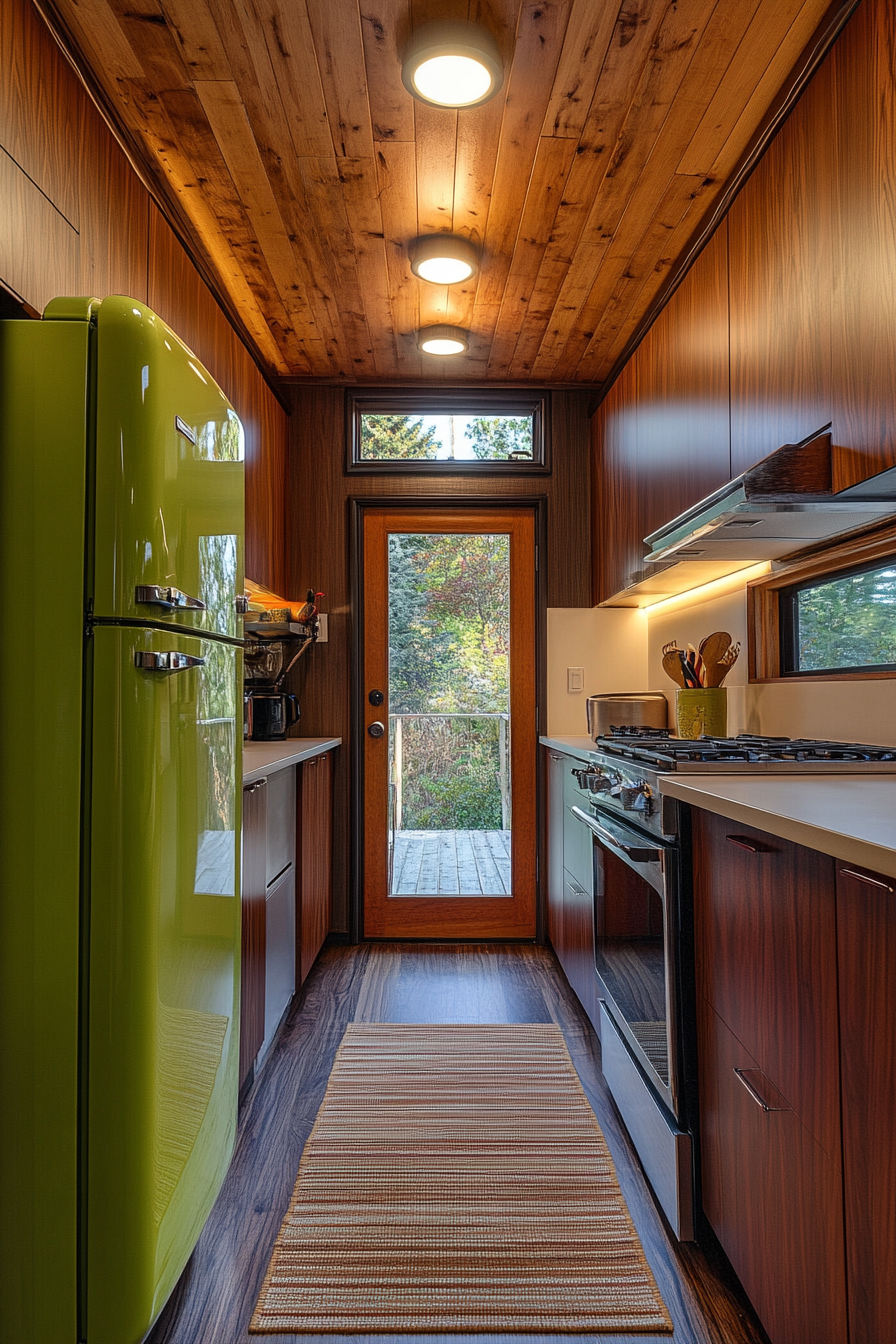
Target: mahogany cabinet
x,y
315,867
660,439
866,942
864,328
570,892
768,1057
253,888
773,1197
556,762
781,270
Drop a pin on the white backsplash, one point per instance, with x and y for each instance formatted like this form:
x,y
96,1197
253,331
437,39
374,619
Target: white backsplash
x,y
844,711
609,643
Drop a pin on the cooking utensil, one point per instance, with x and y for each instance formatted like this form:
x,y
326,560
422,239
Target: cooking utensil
x,y
672,666
717,673
712,648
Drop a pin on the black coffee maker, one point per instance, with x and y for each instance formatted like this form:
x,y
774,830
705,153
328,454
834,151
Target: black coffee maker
x,y
268,712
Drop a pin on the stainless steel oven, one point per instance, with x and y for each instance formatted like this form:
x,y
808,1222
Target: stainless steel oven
x,y
637,886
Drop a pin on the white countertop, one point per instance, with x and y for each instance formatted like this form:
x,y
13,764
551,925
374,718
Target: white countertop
x,y
570,746
261,758
852,817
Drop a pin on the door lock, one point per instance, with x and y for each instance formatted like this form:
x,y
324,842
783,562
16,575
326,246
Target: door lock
x,y
376,729
376,698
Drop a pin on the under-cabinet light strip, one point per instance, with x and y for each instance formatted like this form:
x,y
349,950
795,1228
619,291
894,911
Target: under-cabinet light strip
x,y
729,583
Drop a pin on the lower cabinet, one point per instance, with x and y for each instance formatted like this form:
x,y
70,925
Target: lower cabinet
x,y
286,894
314,848
772,1196
570,892
253,885
866,945
768,1040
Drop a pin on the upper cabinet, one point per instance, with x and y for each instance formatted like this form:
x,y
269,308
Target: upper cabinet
x,y
781,280
660,438
804,269
864,327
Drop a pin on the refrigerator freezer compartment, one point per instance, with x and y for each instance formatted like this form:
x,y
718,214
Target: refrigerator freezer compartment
x,y
169,473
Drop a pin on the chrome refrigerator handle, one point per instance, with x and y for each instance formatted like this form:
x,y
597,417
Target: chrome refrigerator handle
x,y
167,662
152,595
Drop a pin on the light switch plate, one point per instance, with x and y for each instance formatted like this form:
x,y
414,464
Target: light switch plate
x,y
322,632
575,680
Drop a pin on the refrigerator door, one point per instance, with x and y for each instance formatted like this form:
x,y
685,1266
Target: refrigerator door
x,y
169,480
164,957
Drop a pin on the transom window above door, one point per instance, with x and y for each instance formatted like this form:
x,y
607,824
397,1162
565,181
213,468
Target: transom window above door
x,y
446,431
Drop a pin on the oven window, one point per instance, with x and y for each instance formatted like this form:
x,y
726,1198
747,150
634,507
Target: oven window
x,y
630,955
844,622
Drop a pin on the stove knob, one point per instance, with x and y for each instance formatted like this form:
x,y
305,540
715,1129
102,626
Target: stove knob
x,y
598,783
637,799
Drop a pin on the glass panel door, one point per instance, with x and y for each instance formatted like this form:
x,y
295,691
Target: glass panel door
x,y
449,717
449,714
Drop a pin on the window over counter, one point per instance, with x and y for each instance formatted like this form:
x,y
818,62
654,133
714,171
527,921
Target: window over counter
x,y
445,432
830,615
842,623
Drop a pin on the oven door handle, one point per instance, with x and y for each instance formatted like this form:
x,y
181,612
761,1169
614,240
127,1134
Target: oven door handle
x,y
638,853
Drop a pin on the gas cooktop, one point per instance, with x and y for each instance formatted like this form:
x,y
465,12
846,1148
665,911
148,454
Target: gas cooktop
x,y
656,749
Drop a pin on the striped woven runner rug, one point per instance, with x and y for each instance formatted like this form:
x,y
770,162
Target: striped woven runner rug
x,y
456,1180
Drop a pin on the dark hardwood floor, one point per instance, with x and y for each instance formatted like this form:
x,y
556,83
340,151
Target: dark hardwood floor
x,y
407,982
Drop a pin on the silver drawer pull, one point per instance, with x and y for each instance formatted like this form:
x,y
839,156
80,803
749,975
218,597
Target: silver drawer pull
x,y
869,881
259,784
743,842
742,1075
150,594
167,662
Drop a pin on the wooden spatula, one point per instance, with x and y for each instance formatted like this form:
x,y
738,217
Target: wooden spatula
x,y
712,650
673,668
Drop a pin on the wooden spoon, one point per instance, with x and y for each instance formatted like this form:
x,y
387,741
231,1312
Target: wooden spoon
x,y
712,650
719,671
672,667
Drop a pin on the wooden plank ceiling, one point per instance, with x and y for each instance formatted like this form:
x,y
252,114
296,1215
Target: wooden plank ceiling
x,y
284,138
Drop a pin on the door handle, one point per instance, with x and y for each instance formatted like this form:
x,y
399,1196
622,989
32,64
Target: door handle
x,y
151,594
743,842
757,1096
376,729
869,881
167,662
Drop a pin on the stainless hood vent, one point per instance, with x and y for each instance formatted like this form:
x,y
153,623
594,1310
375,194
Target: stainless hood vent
x,y
782,505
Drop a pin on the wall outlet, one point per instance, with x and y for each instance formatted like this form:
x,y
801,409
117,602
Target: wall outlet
x,y
575,680
322,632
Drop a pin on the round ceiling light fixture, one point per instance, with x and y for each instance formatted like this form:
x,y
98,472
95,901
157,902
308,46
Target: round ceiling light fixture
x,y
452,65
443,340
444,259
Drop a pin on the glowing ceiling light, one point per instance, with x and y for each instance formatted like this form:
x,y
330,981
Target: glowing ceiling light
x,y
443,259
452,65
442,340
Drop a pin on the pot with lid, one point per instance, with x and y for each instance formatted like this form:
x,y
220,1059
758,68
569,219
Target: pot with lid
x,y
628,709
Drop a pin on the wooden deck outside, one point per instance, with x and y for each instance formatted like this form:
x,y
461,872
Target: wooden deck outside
x,y
451,863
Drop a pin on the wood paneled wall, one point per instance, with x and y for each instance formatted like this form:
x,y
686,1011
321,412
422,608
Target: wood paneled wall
x,y
318,545
789,310
76,219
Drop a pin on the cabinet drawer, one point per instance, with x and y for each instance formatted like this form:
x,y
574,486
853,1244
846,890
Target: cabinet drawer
x,y
771,1194
280,952
281,822
578,850
766,950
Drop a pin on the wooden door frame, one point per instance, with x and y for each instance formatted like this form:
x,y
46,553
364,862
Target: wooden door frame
x,y
359,507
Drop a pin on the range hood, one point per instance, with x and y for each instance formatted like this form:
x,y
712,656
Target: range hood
x,y
782,505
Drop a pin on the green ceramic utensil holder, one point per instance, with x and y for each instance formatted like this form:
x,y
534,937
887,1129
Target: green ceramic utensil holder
x,y
701,712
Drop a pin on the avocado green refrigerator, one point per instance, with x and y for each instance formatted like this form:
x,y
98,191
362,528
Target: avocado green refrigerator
x,y
121,536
